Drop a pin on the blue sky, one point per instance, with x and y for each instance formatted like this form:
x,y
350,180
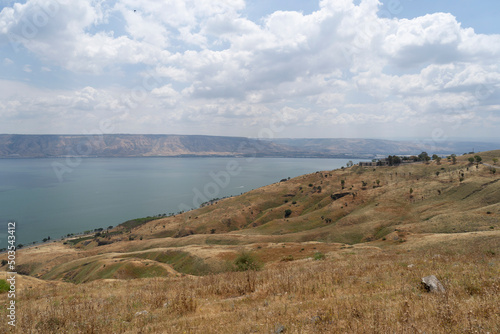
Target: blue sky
x,y
332,68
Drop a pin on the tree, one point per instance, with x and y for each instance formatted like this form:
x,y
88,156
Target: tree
x,y
438,160
454,158
478,159
378,182
495,160
423,156
435,157
411,192
350,163
342,183
288,212
471,160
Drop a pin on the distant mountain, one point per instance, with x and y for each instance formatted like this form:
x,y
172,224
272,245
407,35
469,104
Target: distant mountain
x,y
127,145
124,145
363,147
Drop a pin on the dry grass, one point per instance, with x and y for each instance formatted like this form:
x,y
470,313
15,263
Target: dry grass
x,y
378,245
361,290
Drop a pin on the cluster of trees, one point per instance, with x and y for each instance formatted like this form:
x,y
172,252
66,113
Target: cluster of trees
x,y
396,160
424,157
476,159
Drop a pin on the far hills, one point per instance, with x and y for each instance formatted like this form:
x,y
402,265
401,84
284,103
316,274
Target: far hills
x,y
137,145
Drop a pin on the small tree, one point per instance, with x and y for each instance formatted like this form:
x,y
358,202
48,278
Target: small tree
x,y
378,183
288,212
478,159
471,160
342,183
495,160
411,192
454,158
246,261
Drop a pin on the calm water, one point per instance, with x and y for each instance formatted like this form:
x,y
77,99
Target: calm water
x,y
54,197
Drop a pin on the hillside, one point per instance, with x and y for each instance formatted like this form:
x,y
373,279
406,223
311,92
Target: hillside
x,y
122,145
383,147
126,145
340,251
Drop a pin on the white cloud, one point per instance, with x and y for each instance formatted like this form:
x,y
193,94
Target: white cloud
x,y
340,65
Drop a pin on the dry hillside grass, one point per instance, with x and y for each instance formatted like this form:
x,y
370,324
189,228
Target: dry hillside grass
x,y
175,274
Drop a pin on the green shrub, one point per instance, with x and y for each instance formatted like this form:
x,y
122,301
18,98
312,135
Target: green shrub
x,y
246,261
288,212
318,256
4,286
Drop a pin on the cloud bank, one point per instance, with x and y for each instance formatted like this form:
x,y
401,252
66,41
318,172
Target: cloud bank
x,y
204,67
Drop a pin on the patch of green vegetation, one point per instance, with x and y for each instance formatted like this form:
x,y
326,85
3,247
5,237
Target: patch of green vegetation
x,y
318,256
133,223
382,231
217,241
27,268
164,234
77,240
182,262
4,286
246,261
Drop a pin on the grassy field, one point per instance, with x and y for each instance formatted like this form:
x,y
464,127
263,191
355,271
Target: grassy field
x,y
341,261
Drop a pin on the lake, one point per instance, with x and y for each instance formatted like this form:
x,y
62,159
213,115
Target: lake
x,y
54,197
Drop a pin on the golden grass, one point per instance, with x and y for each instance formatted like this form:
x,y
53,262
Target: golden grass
x,y
359,290
378,243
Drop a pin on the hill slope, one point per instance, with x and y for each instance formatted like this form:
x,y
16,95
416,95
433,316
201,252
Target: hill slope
x,y
379,231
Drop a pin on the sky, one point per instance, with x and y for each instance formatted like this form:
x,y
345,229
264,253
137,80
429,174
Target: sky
x,y
392,69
